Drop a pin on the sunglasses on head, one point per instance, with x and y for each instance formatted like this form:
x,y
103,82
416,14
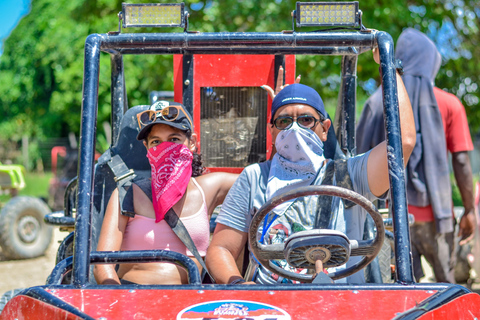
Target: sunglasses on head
x,y
286,122
169,113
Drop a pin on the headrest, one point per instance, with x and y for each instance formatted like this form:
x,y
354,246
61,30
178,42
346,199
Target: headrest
x,y
132,151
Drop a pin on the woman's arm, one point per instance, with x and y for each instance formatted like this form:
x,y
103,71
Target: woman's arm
x,y
111,236
216,186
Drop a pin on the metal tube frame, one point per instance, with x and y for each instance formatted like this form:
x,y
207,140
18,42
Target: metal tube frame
x,y
344,43
345,114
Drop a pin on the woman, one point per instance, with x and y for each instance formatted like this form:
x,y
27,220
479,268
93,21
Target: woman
x,y
177,183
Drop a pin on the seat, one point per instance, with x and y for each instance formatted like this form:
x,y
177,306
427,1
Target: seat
x,y
134,155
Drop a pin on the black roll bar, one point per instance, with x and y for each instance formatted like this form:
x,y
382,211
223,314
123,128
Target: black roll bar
x,y
338,43
396,165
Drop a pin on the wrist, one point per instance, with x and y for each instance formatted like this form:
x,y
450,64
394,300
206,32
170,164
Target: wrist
x,y
238,281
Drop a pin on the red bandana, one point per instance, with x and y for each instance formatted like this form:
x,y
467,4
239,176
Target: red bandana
x,y
171,171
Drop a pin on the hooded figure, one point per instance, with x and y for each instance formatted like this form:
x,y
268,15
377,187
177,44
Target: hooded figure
x,y
428,179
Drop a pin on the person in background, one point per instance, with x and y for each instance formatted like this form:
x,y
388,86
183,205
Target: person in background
x,y
441,125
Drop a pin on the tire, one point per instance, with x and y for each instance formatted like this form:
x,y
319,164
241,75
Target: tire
x,y
7,296
384,261
65,250
23,233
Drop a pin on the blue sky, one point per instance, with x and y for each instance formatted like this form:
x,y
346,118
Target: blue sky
x,y
12,11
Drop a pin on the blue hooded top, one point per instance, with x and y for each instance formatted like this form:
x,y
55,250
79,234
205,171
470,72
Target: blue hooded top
x,y
428,178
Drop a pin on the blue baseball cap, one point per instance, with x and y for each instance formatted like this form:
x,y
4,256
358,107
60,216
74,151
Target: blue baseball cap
x,y
298,93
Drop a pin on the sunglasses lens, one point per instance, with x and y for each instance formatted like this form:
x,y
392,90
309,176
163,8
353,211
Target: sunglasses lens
x,y
170,113
147,117
306,121
283,123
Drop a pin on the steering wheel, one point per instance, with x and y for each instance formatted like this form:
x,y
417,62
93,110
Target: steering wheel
x,y
303,248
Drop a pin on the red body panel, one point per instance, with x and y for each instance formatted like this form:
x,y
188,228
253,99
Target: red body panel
x,y
169,304
212,70
464,307
26,308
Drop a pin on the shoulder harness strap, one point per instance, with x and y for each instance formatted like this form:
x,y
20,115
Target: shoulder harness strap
x,y
181,231
339,170
171,218
123,177
343,179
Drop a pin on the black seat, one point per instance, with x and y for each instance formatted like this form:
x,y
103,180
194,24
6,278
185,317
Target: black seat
x,y
134,155
331,147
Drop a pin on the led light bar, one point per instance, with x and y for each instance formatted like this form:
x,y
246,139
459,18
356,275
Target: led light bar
x,y
153,15
323,14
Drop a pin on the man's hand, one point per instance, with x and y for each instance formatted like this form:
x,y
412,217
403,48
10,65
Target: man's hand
x,y
280,85
467,227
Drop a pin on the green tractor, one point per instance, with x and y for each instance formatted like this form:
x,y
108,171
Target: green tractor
x,y
23,232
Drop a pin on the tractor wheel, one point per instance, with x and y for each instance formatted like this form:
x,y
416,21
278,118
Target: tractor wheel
x,y
23,233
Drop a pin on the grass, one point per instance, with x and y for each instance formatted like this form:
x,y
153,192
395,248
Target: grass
x,y
36,186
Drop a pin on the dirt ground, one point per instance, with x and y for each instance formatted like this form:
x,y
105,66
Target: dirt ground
x,y
31,272
16,274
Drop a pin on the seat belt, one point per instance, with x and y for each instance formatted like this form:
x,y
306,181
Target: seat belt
x,y
123,176
171,218
339,169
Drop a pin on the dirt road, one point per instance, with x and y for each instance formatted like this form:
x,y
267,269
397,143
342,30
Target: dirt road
x,y
31,272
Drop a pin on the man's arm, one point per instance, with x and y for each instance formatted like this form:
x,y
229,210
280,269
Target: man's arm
x,y
230,234
223,252
463,175
377,166
216,185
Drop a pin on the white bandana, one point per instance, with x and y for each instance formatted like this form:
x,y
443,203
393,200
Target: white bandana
x,y
296,164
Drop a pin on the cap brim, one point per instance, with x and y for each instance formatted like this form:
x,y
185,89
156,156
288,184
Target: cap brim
x,y
143,133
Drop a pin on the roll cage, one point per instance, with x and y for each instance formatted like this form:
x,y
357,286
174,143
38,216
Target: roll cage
x,y
347,44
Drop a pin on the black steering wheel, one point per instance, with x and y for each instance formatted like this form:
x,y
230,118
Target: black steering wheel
x,y
303,248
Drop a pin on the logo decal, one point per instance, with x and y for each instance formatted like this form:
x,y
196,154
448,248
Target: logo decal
x,y
233,309
159,105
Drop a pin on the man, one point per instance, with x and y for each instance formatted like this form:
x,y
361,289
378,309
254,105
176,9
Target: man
x,y
298,126
441,124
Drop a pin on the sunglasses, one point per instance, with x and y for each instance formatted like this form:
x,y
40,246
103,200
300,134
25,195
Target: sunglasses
x,y
286,122
169,113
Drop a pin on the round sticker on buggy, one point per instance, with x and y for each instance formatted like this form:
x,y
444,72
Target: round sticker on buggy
x,y
236,309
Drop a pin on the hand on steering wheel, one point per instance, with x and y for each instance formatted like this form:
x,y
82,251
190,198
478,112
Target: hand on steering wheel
x,y
303,249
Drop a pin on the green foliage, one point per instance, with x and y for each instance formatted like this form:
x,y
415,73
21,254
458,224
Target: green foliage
x,y
37,184
41,69
456,196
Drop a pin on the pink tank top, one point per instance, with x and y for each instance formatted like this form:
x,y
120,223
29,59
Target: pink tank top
x,y
142,233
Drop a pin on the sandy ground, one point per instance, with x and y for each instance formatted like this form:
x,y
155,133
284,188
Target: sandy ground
x,y
16,274
31,272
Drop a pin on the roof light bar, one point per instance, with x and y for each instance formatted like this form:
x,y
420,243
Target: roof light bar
x,y
153,15
327,14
